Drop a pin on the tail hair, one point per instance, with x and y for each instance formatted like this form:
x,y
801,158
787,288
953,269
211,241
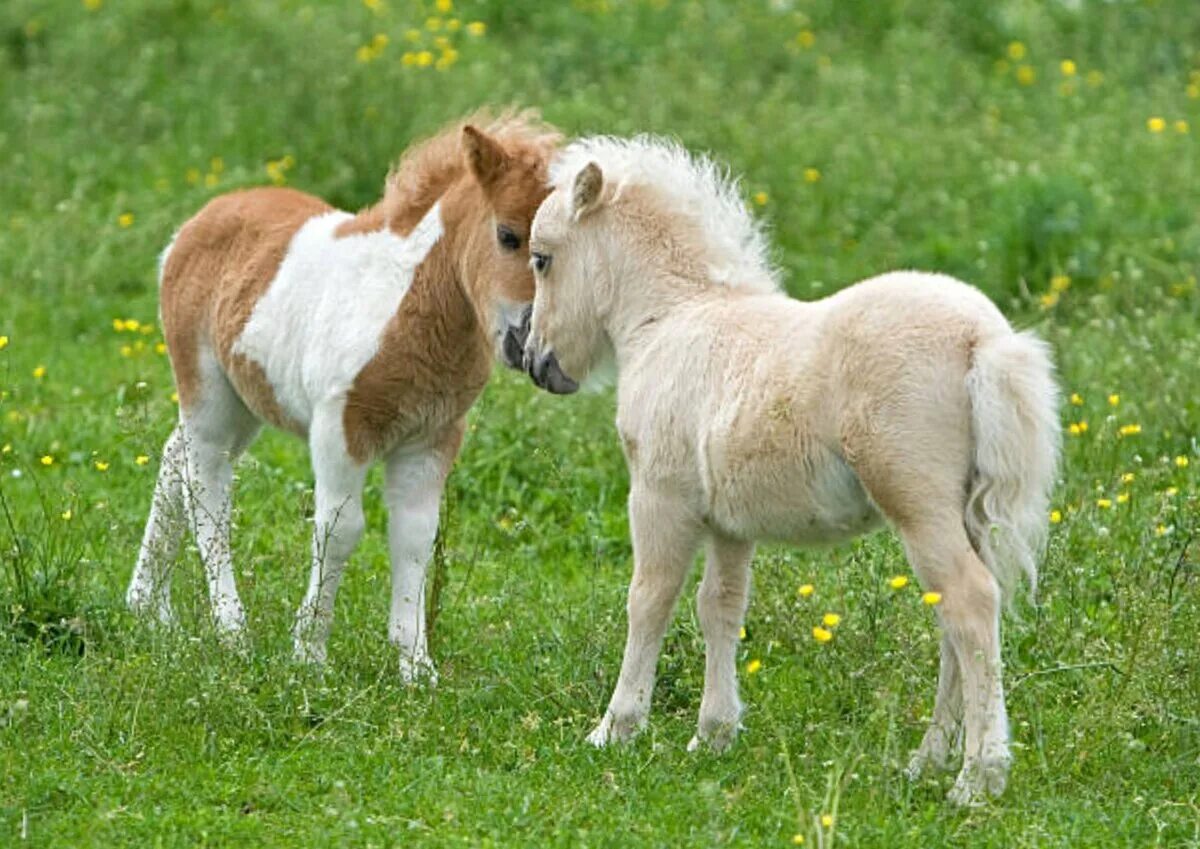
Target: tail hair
x,y
1014,409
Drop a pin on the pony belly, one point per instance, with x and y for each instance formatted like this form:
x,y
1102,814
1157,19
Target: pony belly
x,y
805,503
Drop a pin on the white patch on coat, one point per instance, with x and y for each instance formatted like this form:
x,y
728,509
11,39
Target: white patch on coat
x,y
322,317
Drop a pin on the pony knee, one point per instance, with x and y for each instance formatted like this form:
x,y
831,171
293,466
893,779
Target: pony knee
x,y
339,533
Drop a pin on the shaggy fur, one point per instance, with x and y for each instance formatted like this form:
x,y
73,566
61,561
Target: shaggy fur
x,y
746,415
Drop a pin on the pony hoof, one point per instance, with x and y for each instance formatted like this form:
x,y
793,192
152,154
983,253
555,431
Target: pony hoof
x,y
613,729
718,736
418,670
978,782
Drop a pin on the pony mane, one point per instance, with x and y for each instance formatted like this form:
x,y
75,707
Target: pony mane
x,y
428,168
690,187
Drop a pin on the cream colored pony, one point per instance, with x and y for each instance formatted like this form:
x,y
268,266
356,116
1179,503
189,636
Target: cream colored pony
x,y
746,415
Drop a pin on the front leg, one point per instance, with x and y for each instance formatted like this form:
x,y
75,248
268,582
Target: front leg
x,y
337,526
665,537
414,480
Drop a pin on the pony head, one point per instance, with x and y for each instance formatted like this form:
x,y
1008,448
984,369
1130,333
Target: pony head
x,y
630,226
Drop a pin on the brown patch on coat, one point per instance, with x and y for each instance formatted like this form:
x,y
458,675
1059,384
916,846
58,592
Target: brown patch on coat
x,y
220,264
436,353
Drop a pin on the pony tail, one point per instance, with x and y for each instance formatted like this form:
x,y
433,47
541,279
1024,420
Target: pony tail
x,y
1014,411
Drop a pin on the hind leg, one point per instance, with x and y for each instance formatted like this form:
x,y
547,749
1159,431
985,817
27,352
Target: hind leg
x,y
149,590
943,738
721,605
945,561
216,429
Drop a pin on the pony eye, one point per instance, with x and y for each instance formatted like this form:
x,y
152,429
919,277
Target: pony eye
x,y
508,240
541,262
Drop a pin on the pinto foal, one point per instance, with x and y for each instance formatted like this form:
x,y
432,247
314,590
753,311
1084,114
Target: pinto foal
x,y
746,415
368,335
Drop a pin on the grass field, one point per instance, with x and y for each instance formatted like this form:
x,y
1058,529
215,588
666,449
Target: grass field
x,y
1046,152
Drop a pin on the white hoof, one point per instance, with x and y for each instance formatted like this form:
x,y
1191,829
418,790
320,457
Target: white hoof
x,y
616,729
418,669
978,782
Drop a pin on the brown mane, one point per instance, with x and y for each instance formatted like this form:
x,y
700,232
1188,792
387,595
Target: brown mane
x,y
427,169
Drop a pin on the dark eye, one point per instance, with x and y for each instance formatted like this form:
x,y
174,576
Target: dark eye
x,y
508,240
541,262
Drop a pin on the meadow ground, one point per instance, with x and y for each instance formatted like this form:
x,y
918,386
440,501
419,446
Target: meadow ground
x,y
1045,151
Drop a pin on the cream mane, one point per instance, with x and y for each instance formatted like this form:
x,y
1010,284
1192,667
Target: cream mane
x,y
693,187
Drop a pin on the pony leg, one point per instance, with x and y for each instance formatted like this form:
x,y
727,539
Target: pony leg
x,y
944,559
149,590
721,605
338,525
413,489
665,536
944,735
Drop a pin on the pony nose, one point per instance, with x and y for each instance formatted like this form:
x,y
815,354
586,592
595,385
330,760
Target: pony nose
x,y
548,374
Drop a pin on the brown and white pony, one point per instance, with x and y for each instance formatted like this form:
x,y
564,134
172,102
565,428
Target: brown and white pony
x,y
367,335
746,415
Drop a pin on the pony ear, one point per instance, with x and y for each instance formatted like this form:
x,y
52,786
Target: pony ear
x,y
485,156
585,194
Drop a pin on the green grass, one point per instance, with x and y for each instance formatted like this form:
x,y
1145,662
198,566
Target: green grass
x,y
930,153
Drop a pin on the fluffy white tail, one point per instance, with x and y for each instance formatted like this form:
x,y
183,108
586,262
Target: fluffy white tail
x,y
1014,411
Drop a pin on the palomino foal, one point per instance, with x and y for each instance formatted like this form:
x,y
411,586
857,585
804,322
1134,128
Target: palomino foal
x,y
368,335
746,415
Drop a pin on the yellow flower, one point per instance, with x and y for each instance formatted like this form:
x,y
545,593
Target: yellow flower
x,y
47,460
798,839
1181,126
1077,428
101,466
3,342
1076,399
805,590
424,59
1067,67
1060,283
92,5
192,176
373,5
7,449
125,219
1127,477
821,635
453,25
364,54
1181,461
126,350
1048,300
449,57
826,820
211,180
39,372
1161,530
1156,124
141,459
812,175
160,347
806,39
174,396
217,164
753,666
931,598
132,324
831,620
1171,491
409,58
742,633
1026,75
1130,430
761,198
1104,503
378,42
477,28
1016,51
899,582
66,515
1114,400
1122,498
444,6
1055,517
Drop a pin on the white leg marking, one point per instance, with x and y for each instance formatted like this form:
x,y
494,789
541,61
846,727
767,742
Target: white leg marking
x,y
721,605
149,592
414,482
943,738
665,537
337,527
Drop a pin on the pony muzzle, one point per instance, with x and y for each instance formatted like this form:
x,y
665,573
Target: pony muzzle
x,y
512,348
546,373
